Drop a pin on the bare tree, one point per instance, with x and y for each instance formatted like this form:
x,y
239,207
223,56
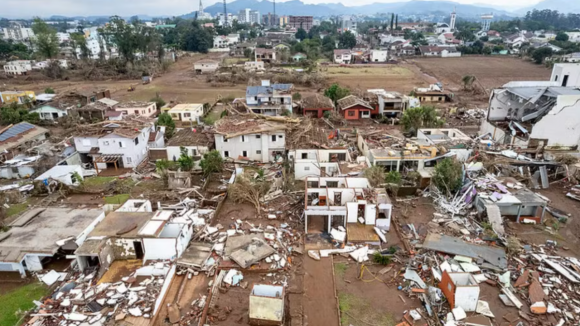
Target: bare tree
x,y
248,189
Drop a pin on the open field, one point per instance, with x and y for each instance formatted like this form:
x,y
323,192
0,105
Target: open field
x,y
491,72
401,77
17,302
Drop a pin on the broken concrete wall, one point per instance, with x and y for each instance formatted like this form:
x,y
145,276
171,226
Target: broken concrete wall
x,y
179,180
124,248
106,258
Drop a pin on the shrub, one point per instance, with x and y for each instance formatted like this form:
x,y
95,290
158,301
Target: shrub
x,y
49,90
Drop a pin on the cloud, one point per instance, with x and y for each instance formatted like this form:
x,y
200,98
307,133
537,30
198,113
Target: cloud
x,y
46,8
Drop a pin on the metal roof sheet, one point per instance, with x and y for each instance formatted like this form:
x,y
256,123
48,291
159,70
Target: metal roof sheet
x,y
16,130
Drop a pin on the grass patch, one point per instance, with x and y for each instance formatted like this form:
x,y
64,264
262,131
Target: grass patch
x,y
117,199
16,303
16,209
340,268
354,310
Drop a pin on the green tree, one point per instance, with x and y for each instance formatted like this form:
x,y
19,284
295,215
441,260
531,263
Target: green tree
x,y
335,92
484,38
375,175
296,96
45,39
347,40
562,37
421,117
211,162
301,34
393,177
185,162
49,90
539,55
165,119
159,102
79,41
196,38
448,176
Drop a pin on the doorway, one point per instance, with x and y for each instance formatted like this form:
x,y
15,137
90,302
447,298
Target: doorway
x,y
317,224
138,249
565,81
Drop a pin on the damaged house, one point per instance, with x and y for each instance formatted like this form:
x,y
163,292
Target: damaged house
x,y
133,233
123,144
42,235
269,99
194,140
316,105
254,140
388,104
534,114
325,163
354,108
349,203
16,139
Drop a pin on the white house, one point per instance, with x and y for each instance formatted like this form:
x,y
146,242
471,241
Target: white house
x,y
256,141
146,109
47,112
325,163
17,33
342,56
194,140
254,65
269,99
117,145
206,66
187,112
379,55
566,74
572,57
63,37
334,202
534,114
18,67
430,137
65,174
40,233
222,41
450,52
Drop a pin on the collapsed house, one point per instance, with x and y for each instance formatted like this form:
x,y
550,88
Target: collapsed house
x,y
349,203
42,235
16,139
438,136
269,99
196,142
250,139
134,232
524,115
325,163
316,105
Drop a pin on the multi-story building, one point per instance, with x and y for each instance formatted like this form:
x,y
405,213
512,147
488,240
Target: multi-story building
x,y
271,20
18,67
17,33
269,99
255,140
304,22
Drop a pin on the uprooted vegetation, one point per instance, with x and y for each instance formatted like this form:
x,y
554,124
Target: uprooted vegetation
x,y
239,76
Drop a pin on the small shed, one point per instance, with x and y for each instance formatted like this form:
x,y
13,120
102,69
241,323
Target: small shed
x,y
460,289
267,305
66,174
520,205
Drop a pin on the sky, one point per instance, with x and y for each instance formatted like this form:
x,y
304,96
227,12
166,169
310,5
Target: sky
x,y
47,8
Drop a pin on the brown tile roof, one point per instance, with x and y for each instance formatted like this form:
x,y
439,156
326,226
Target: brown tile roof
x,y
187,137
350,101
342,51
152,136
317,102
96,106
134,104
264,51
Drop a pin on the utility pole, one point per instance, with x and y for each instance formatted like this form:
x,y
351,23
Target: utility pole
x,y
275,18
225,14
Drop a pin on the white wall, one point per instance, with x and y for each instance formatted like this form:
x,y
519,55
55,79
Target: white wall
x,y
158,248
84,144
561,126
572,70
257,149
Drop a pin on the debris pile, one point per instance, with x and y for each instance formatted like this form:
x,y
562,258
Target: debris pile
x,y
80,298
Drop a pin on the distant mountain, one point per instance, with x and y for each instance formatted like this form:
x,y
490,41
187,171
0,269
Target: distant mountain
x,y
564,6
296,7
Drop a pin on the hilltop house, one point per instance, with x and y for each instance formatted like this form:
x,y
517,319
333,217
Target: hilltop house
x,y
343,56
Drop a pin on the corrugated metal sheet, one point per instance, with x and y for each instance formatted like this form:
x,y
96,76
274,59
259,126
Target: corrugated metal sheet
x,y
16,130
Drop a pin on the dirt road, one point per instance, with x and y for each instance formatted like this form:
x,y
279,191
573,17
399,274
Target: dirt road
x,y
320,305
